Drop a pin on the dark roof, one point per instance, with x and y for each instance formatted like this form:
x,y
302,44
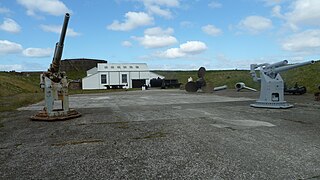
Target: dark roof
x,y
79,64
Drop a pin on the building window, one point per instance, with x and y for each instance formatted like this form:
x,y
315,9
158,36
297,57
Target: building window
x,y
137,67
103,79
112,67
124,67
124,78
106,67
131,67
118,67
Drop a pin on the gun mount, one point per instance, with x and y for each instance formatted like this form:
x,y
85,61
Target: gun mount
x,y
55,85
272,87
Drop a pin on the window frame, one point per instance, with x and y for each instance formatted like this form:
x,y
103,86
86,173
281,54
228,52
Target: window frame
x,y
105,79
122,78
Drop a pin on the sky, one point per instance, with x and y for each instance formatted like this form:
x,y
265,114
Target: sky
x,y
165,34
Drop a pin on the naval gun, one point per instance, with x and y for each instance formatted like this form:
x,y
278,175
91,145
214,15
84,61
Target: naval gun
x,y
55,85
272,86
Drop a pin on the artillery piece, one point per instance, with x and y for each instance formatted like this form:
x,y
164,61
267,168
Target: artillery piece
x,y
272,87
55,85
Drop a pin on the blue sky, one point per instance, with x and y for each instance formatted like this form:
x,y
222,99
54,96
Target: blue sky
x,y
165,34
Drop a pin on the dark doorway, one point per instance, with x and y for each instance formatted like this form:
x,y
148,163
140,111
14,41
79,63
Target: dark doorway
x,y
138,83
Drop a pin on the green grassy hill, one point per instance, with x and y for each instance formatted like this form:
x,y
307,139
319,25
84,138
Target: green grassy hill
x,y
308,76
20,89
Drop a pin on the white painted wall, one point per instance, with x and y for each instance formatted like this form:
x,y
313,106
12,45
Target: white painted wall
x,y
90,82
114,78
92,71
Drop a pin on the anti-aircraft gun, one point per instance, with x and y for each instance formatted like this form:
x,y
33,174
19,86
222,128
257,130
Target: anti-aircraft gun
x,y
272,88
55,85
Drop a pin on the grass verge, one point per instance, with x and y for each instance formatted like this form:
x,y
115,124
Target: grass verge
x,y
10,103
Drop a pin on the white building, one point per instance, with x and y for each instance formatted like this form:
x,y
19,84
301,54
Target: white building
x,y
115,75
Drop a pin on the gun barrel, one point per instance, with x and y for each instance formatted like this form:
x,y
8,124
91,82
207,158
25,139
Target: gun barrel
x,y
277,64
64,29
285,68
59,46
220,88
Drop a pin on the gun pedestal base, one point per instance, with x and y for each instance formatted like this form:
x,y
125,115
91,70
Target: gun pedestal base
x,y
56,115
272,105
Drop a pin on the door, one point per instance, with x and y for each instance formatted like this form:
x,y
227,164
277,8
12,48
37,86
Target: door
x,y
138,83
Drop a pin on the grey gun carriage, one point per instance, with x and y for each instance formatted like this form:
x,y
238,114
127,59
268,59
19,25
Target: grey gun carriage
x,y
272,86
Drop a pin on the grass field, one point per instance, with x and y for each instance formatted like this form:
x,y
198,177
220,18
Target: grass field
x,y
21,89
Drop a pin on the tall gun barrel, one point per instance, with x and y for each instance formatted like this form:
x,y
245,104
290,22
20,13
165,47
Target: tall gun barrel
x,y
54,67
285,68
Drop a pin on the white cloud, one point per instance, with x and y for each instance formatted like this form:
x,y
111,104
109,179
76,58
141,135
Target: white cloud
x,y
157,38
172,53
37,52
273,2
305,42
214,5
301,12
169,3
52,7
153,9
276,11
4,10
160,7
132,21
255,24
184,50
57,29
156,41
10,67
193,47
126,44
211,30
186,24
157,31
8,47
304,12
10,25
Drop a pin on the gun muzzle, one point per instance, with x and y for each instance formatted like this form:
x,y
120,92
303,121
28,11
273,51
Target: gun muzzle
x,y
285,68
241,85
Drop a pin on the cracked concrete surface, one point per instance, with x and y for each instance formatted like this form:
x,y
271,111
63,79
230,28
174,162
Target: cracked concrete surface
x,y
165,134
